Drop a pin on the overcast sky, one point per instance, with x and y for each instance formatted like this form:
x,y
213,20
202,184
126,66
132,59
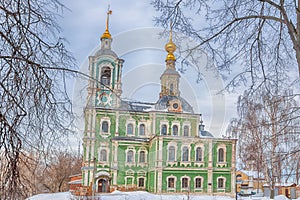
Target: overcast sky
x,y
136,40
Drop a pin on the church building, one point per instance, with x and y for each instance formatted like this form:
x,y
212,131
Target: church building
x,y
159,147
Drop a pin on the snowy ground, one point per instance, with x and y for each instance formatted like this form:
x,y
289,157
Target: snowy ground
x,y
144,196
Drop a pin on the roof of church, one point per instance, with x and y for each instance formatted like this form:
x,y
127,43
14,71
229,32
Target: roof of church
x,y
204,133
160,105
131,138
106,52
163,103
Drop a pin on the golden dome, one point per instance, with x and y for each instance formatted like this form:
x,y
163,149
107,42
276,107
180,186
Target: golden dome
x,y
170,47
170,56
106,34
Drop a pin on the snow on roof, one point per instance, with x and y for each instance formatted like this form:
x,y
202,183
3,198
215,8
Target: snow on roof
x,y
75,182
254,174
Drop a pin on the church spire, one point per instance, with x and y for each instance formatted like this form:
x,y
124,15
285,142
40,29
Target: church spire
x,y
170,47
170,77
106,33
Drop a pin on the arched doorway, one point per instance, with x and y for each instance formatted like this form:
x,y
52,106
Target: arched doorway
x,y
103,185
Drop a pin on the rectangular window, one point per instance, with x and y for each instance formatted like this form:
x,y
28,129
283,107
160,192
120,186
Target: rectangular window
x,y
184,183
220,183
141,182
198,183
171,183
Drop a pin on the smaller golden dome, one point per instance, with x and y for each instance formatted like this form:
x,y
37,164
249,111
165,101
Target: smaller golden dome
x,y
106,34
170,56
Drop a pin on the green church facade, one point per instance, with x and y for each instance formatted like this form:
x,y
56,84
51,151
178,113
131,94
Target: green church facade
x,y
159,147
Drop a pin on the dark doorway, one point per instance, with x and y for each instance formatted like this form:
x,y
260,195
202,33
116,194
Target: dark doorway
x,y
103,185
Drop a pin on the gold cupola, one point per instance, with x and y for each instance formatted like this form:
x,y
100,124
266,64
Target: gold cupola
x,y
170,47
106,33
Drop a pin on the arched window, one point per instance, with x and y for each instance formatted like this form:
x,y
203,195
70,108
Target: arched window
x,y
184,183
172,153
129,129
105,75
221,155
130,156
142,129
104,127
186,131
198,183
221,183
142,157
171,182
199,154
164,129
185,154
103,155
175,130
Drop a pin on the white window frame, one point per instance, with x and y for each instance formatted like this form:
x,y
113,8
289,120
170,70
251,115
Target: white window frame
x,y
199,163
178,126
126,181
175,182
189,128
146,127
138,182
144,164
224,184
164,122
168,159
103,146
223,163
103,119
131,121
201,188
188,186
134,154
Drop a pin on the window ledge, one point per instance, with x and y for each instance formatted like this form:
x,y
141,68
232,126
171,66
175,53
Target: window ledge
x,y
129,164
222,164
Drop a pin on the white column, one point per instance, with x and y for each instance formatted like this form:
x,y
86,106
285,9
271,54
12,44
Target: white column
x,y
233,168
210,167
160,160
117,123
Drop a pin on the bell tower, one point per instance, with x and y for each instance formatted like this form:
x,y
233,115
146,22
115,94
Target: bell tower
x,y
106,68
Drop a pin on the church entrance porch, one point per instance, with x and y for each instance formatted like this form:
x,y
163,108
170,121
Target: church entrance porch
x,y
103,185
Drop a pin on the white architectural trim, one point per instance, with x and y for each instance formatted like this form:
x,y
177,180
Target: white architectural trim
x,y
221,163
200,189
103,119
130,121
177,123
175,180
186,123
164,122
144,164
221,189
188,186
130,148
174,144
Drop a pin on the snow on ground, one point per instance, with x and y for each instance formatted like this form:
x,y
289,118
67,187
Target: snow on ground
x,y
117,195
52,196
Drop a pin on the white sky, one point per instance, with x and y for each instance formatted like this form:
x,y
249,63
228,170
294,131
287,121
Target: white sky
x,y
136,41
